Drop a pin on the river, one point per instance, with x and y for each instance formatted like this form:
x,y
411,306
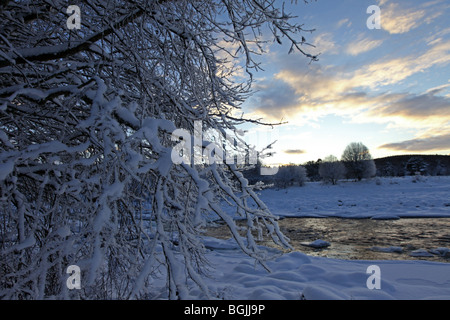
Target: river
x,y
366,239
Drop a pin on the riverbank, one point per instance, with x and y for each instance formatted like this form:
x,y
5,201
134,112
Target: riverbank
x,y
296,275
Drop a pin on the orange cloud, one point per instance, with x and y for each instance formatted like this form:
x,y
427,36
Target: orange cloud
x,y
294,151
426,144
396,19
302,93
362,45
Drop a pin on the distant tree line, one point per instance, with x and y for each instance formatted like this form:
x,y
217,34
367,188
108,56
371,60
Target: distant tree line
x,y
356,164
286,176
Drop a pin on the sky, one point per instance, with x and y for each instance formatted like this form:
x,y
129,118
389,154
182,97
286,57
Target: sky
x,y
388,88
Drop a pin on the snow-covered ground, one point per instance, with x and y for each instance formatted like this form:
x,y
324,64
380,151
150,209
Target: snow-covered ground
x,y
295,275
376,198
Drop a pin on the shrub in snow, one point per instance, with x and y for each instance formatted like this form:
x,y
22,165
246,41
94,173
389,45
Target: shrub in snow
x,y
418,178
86,117
332,170
301,176
290,175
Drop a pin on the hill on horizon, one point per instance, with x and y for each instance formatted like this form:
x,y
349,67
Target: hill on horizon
x,y
425,164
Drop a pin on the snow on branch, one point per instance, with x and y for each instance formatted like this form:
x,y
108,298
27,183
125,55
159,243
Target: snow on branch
x,y
86,123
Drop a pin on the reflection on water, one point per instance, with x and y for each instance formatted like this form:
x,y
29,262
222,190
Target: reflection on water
x,y
355,238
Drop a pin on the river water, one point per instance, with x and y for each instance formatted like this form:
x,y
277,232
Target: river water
x,y
366,239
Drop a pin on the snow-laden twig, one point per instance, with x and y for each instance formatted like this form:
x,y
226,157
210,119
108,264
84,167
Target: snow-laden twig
x,y
86,117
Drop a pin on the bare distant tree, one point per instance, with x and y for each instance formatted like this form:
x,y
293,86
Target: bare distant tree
x,y
289,175
358,161
332,170
86,117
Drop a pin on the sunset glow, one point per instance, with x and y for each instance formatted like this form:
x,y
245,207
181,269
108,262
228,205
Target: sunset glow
x,y
388,88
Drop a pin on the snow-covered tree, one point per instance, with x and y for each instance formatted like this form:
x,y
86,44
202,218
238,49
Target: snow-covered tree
x,y
440,169
312,170
289,175
387,170
332,170
416,166
86,116
358,161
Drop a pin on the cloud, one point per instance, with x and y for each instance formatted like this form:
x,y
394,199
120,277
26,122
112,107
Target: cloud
x,y
342,22
362,45
319,83
396,19
439,89
294,151
396,82
275,99
394,70
421,107
304,93
433,143
324,44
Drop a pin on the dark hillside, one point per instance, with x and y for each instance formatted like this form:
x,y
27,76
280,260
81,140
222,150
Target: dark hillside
x,y
435,165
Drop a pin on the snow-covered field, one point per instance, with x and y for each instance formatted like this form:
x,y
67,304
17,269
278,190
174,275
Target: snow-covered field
x,y
377,198
295,275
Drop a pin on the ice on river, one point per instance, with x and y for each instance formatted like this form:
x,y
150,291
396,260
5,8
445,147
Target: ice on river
x,y
296,275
